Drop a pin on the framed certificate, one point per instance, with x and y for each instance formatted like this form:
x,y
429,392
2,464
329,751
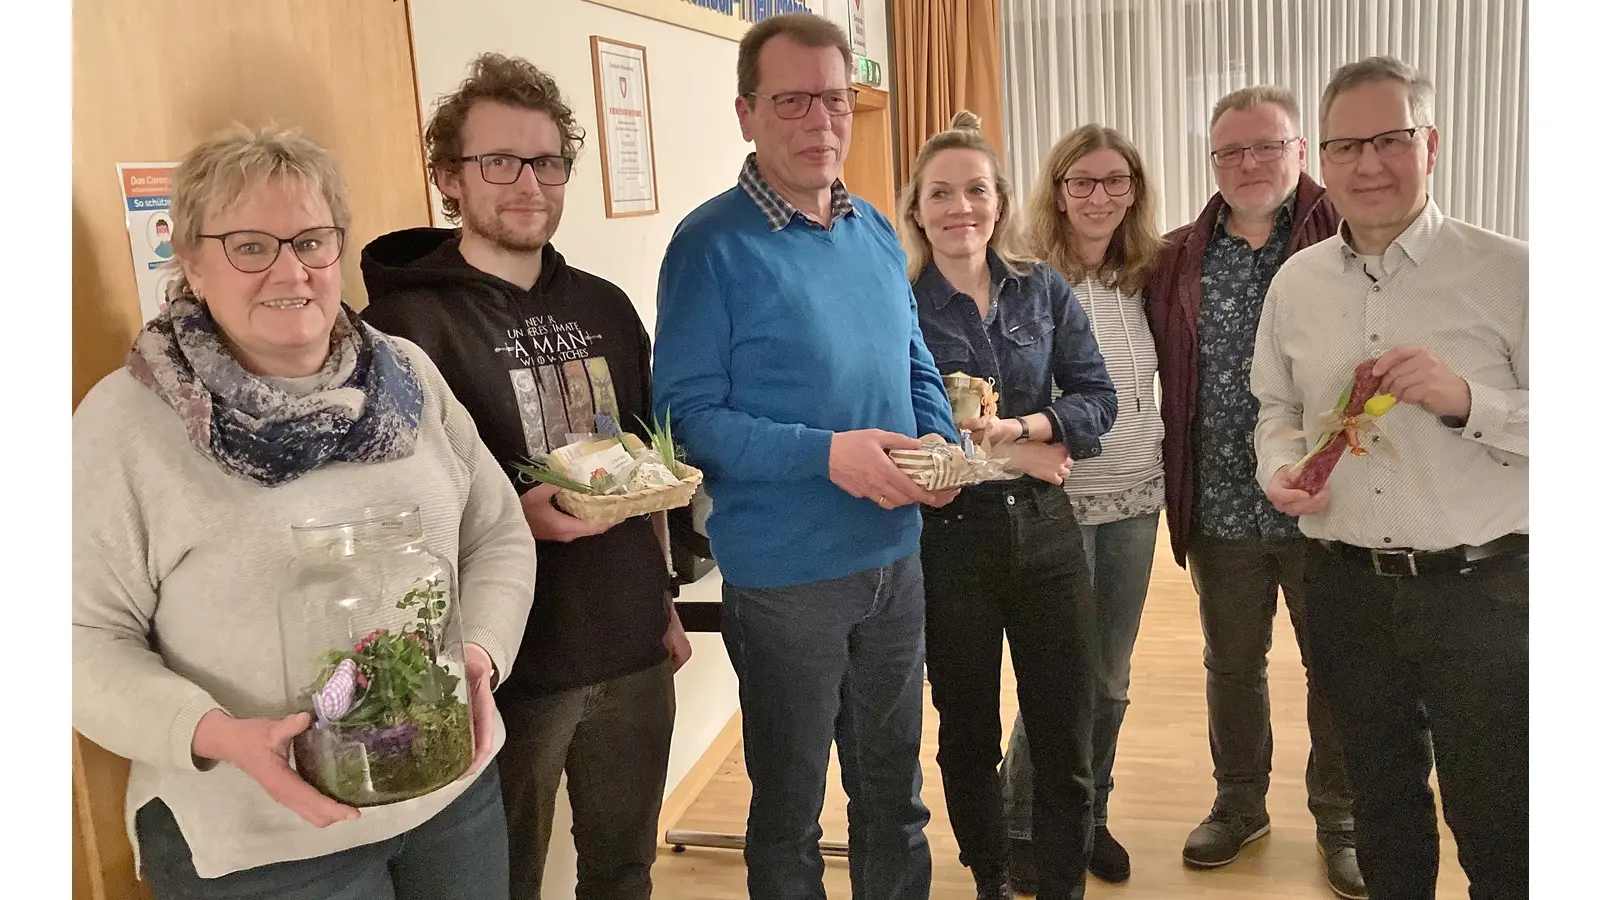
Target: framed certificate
x,y
627,139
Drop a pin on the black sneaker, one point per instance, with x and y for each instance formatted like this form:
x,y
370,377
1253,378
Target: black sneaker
x,y
1339,863
993,887
1218,840
1108,861
1024,868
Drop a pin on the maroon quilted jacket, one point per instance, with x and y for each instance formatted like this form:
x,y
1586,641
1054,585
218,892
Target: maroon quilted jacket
x,y
1173,293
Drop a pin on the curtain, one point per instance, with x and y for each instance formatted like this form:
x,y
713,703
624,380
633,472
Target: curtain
x,y
946,59
1153,68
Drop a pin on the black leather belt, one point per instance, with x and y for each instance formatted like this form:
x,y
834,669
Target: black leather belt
x,y
1403,563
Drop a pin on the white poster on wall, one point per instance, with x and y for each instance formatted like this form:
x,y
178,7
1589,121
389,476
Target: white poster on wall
x,y
147,205
858,27
622,93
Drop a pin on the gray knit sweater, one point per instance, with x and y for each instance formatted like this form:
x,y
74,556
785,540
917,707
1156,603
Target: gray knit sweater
x,y
177,570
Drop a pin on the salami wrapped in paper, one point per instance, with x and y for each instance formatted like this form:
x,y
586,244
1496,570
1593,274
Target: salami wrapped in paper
x,y
1343,428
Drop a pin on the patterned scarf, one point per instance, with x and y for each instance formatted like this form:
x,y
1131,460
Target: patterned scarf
x,y
365,407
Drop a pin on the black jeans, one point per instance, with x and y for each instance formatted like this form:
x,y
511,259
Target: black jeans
x,y
1441,657
1007,561
612,740
1238,584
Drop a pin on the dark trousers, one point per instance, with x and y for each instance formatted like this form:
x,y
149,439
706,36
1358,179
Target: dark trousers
x,y
612,740
1440,659
1009,565
824,662
1238,584
459,854
1119,555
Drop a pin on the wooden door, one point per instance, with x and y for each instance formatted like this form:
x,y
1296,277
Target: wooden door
x,y
152,79
869,167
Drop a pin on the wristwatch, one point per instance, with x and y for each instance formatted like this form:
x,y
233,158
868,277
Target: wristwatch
x,y
1023,424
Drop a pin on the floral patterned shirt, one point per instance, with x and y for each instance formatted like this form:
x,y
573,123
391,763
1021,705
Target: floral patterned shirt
x,y
1229,504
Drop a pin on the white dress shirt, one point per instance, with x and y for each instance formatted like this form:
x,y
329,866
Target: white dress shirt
x,y
1451,287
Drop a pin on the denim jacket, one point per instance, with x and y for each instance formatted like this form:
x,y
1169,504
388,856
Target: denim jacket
x,y
1037,337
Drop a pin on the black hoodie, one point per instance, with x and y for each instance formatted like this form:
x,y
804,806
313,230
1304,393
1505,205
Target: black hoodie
x,y
532,366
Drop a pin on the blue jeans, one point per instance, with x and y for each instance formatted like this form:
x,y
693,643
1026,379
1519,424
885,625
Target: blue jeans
x,y
1120,555
459,854
837,660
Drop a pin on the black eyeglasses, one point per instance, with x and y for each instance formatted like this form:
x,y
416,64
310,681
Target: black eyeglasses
x,y
1266,151
795,104
252,252
1389,143
1115,186
506,168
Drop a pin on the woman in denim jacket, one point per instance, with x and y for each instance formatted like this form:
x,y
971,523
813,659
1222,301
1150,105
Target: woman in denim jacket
x,y
1005,559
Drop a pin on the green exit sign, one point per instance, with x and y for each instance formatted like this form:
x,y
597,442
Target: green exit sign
x,y
868,72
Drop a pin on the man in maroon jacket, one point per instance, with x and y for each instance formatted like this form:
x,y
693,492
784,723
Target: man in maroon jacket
x,y
1205,300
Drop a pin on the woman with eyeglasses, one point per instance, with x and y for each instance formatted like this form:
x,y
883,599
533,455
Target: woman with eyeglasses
x,y
1093,219
1003,562
255,402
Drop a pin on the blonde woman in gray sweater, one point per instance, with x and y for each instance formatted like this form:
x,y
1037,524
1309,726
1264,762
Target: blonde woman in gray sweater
x,y
256,401
1092,217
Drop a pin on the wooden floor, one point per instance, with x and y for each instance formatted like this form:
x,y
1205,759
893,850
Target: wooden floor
x,y
1164,785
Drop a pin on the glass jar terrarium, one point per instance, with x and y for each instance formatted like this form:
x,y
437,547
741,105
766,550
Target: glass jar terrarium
x,y
372,650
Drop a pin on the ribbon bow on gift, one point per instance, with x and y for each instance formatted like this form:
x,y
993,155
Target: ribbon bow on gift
x,y
1352,420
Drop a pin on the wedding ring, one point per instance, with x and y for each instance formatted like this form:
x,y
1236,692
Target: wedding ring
x,y
883,501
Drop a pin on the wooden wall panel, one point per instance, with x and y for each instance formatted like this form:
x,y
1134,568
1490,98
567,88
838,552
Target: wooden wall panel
x,y
152,79
869,168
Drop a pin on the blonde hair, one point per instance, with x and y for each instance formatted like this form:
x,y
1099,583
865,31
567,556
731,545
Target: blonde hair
x,y
963,134
1136,242
217,173
1419,90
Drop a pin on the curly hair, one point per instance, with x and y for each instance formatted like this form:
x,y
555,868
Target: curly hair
x,y
510,81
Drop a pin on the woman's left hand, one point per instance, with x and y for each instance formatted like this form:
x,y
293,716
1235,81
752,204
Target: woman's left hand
x,y
995,431
480,670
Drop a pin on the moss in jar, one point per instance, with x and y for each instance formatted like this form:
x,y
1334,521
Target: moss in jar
x,y
387,724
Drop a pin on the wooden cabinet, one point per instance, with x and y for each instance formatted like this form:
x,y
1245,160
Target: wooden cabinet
x,y
869,168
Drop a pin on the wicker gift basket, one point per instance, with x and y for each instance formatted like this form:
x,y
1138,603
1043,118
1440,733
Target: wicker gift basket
x,y
939,465
600,497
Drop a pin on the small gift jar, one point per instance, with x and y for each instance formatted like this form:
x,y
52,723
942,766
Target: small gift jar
x,y
966,395
372,650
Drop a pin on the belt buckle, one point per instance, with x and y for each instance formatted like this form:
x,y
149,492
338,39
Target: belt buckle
x,y
1408,556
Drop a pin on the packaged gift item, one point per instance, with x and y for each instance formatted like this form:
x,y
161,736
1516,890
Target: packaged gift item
x,y
939,465
372,650
970,398
1344,428
604,480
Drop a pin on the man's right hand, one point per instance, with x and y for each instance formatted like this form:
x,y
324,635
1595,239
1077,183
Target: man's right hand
x,y
859,463
1293,501
550,523
260,748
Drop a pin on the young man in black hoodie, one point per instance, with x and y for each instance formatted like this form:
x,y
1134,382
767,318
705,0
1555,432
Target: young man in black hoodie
x,y
538,350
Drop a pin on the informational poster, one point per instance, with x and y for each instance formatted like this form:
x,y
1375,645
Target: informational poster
x,y
858,27
627,146
147,201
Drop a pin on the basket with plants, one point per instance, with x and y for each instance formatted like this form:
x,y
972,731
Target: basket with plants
x,y
614,475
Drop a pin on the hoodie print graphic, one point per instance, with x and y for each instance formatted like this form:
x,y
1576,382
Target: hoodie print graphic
x,y
561,390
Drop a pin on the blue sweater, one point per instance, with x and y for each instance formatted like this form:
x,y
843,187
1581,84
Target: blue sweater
x,y
767,344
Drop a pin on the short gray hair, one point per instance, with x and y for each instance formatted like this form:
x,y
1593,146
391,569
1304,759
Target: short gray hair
x,y
1251,97
1419,90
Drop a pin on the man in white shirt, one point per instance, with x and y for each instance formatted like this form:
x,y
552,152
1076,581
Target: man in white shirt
x,y
1417,581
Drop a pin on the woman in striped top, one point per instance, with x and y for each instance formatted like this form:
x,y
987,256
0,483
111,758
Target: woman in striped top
x,y
1097,227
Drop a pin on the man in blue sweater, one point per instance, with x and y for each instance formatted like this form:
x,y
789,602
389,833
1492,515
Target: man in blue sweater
x,y
789,357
